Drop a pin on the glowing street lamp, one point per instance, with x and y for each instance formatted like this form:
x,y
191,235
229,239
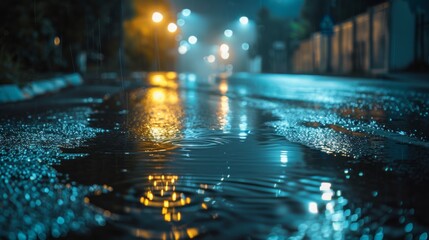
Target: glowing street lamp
x,y
186,12
192,40
245,46
157,17
211,59
224,48
244,20
57,41
228,33
224,55
172,27
224,51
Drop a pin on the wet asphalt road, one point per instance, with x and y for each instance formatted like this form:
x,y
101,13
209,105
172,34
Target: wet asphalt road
x,y
249,156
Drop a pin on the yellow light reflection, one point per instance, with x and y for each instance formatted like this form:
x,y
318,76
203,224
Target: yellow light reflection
x,y
57,41
150,195
171,75
163,79
158,195
169,202
192,232
167,217
222,114
223,86
157,118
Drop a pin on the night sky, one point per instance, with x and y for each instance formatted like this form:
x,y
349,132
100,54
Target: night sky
x,y
228,10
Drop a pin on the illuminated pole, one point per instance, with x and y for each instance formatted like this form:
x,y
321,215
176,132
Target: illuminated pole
x,y
157,18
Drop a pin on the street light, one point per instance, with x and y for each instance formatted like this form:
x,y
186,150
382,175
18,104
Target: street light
x,y
245,46
228,33
157,17
172,27
211,59
192,40
186,12
224,47
224,55
244,20
224,51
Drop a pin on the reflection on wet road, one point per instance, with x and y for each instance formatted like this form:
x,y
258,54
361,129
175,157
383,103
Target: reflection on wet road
x,y
260,157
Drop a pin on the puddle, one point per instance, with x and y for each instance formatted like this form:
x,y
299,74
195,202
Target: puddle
x,y
244,167
267,160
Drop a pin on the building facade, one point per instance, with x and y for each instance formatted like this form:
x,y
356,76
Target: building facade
x,y
378,41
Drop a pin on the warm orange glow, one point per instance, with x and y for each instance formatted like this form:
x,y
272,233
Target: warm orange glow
x,y
172,27
140,233
157,17
167,79
171,75
161,121
169,202
176,235
192,232
223,86
150,195
107,213
57,41
158,96
167,217
222,113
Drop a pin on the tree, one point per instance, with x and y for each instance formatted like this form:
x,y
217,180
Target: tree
x,y
147,43
45,35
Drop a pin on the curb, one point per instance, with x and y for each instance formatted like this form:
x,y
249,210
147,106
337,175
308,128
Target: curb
x,y
12,93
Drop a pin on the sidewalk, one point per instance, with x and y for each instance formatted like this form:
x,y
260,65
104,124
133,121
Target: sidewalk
x,y
406,77
14,93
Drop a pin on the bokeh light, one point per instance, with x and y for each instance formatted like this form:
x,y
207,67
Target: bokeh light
x,y
186,12
228,33
192,40
157,17
244,20
172,27
245,46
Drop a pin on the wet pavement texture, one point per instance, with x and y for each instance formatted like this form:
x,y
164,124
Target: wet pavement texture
x,y
243,157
